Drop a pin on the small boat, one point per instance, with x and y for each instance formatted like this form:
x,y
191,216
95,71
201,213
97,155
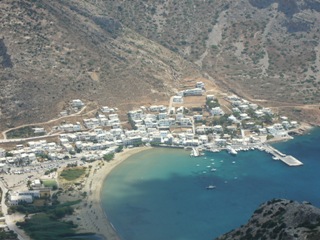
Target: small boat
x,y
213,170
215,150
210,187
232,151
195,152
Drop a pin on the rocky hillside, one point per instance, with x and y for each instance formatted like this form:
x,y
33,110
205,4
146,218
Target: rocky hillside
x,y
55,51
268,49
138,51
280,219
265,50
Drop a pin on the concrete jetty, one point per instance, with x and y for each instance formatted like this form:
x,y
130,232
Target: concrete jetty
x,y
287,159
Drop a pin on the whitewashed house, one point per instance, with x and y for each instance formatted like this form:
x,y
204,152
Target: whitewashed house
x,y
193,92
184,122
200,85
217,111
77,103
15,200
198,117
177,99
210,97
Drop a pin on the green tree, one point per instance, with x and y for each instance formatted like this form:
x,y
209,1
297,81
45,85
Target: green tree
x,y
119,149
108,157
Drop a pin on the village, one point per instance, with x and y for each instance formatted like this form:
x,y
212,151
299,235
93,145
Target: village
x,y
209,126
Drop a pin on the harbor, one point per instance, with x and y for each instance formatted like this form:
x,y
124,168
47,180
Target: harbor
x,y
276,154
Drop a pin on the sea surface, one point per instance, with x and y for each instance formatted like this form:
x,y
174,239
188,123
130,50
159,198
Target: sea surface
x,y
161,193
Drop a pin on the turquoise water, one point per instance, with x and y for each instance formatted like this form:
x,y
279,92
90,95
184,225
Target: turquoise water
x,y
161,193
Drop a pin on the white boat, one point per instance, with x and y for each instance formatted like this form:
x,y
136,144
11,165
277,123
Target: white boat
x,y
213,170
195,152
210,187
215,150
232,151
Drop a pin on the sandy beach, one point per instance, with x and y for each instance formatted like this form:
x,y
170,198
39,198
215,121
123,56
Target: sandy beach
x,y
90,217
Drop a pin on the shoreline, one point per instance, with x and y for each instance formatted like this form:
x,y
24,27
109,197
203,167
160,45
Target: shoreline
x,y
90,215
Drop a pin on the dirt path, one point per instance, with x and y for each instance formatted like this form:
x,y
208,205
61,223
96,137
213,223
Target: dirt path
x,y
4,133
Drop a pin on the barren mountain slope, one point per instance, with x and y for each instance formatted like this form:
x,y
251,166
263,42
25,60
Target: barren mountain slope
x,y
131,51
261,49
54,51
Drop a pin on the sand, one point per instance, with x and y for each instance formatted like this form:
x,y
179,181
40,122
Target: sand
x,y
90,217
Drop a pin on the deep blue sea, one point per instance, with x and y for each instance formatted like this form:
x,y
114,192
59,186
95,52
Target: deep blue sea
x,y
161,193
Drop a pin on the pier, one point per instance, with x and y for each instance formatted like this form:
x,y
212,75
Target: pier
x,y
287,159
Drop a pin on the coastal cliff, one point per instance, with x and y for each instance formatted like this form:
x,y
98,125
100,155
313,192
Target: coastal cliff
x,y
280,219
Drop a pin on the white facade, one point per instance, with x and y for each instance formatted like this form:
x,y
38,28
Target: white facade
x,y
193,92
177,99
77,103
217,111
15,200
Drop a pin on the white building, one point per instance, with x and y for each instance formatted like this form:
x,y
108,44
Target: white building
x,y
77,103
233,119
217,111
244,116
198,117
217,128
193,92
162,115
2,152
39,130
177,99
106,109
184,122
33,193
233,98
200,85
160,108
16,199
259,113
210,97
203,129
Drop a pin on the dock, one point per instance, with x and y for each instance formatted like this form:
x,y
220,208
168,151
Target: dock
x,y
287,159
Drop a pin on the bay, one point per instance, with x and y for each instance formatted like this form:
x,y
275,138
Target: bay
x,y
161,193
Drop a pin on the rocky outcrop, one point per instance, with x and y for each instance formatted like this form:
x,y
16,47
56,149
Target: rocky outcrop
x,y
280,219
5,60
